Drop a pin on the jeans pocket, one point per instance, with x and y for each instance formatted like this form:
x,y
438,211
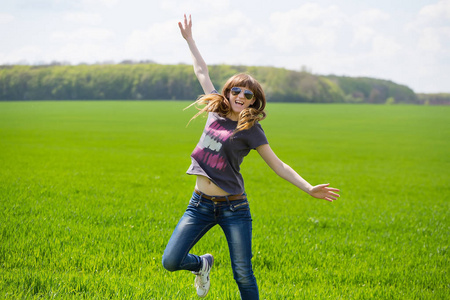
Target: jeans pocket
x,y
194,202
240,206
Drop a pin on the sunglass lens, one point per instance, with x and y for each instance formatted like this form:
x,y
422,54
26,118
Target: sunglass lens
x,y
248,94
235,91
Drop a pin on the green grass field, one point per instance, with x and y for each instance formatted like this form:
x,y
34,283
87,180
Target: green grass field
x,y
91,191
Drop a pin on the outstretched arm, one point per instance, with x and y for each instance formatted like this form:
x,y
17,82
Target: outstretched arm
x,y
321,191
200,67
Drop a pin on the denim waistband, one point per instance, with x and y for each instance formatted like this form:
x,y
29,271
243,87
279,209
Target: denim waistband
x,y
231,203
227,198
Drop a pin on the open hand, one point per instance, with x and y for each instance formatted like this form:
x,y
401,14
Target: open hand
x,y
186,28
323,191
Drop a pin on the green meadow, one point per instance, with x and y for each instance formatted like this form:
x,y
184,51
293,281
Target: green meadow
x,y
90,193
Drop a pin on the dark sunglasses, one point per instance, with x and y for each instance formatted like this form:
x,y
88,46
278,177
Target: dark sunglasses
x,y
236,91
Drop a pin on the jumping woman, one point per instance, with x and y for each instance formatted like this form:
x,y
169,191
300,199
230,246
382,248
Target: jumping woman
x,y
231,131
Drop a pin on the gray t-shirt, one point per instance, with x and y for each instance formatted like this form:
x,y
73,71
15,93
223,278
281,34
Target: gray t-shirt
x,y
219,153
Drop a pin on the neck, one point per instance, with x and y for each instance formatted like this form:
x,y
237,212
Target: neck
x,y
233,116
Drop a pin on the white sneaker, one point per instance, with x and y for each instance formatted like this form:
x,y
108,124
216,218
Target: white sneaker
x,y
202,282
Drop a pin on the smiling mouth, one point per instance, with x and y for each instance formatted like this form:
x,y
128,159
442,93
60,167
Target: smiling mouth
x,y
239,102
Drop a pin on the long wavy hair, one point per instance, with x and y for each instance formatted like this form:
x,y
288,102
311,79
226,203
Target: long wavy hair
x,y
220,103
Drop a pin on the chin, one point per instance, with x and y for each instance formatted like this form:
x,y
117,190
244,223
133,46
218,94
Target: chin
x,y
237,111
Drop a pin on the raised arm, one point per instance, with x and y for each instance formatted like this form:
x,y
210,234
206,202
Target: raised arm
x,y
200,67
321,191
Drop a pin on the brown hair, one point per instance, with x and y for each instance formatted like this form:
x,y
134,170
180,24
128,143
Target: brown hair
x,y
220,104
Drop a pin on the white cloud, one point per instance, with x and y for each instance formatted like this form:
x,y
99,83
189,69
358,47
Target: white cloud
x,y
384,47
25,54
410,46
194,6
369,17
311,14
362,35
107,3
432,28
158,40
84,18
221,37
85,52
429,40
435,12
313,29
309,25
365,26
6,18
233,38
83,34
426,55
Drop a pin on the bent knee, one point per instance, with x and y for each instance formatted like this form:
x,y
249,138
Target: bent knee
x,y
170,264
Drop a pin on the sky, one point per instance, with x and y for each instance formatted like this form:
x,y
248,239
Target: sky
x,y
406,41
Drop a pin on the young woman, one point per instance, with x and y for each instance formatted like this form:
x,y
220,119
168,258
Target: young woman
x,y
231,131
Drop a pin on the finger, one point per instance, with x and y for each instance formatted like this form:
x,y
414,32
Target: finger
x,y
323,185
190,21
331,198
334,194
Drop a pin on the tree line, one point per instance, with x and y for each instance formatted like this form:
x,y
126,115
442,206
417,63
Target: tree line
x,y
151,81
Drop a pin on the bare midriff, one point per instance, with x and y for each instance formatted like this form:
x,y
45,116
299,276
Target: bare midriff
x,y
206,186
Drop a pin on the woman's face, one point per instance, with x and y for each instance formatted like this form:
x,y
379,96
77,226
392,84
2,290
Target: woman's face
x,y
238,99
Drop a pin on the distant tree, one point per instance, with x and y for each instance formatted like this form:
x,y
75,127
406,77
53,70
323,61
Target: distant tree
x,y
146,80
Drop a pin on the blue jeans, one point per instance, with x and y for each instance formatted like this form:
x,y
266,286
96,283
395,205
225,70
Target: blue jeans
x,y
201,215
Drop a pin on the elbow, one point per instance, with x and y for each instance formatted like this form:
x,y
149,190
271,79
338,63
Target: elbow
x,y
280,169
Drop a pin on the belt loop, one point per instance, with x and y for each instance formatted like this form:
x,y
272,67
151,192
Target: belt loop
x,y
228,202
199,200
